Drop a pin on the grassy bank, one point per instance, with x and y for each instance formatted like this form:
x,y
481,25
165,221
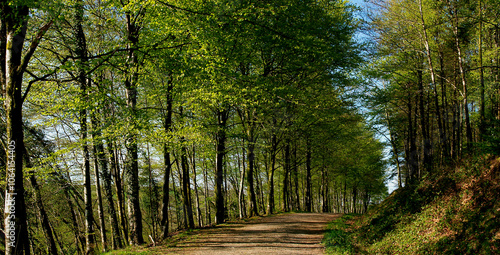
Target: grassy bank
x,y
456,211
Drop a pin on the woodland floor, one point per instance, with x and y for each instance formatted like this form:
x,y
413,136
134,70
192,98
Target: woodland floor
x,y
293,233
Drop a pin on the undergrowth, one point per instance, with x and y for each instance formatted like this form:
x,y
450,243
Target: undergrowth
x,y
337,238
454,211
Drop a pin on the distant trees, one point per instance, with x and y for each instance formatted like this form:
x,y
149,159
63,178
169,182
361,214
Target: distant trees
x,y
184,111
434,90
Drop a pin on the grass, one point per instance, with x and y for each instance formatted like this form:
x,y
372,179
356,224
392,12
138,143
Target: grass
x,y
337,238
456,211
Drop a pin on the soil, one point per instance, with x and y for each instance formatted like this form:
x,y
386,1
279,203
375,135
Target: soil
x,y
293,233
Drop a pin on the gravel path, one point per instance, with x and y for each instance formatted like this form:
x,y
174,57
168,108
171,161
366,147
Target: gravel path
x,y
294,233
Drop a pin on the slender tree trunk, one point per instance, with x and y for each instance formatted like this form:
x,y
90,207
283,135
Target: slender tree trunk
x,y
197,202
99,162
482,117
101,157
132,166
241,196
296,179
412,148
447,148
81,52
250,176
47,230
354,198
427,157
260,189
186,189
167,125
222,116
100,209
89,216
468,128
115,172
153,195
286,169
207,206
270,205
344,210
433,79
325,191
308,202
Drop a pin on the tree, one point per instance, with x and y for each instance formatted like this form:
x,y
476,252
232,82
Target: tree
x,y
13,29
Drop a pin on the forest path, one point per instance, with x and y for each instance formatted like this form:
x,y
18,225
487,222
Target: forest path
x,y
293,233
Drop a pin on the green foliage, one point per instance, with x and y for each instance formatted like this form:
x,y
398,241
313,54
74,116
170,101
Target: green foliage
x,y
338,238
454,214
283,67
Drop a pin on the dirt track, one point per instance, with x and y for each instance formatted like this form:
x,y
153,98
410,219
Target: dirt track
x,y
296,233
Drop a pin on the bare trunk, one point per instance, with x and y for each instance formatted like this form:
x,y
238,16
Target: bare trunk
x,y
186,189
250,178
44,219
296,179
131,162
308,202
81,52
270,205
102,162
468,128
100,209
115,172
167,124
207,206
241,199
482,117
197,202
286,170
222,116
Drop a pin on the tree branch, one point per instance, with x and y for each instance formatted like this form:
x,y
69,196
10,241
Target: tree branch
x,y
33,46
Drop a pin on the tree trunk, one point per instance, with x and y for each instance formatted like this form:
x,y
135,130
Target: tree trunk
x,y
270,205
427,160
447,149
100,209
81,54
207,206
186,189
115,172
132,167
296,179
250,178
344,210
412,148
47,230
222,116
241,198
482,117
354,198
286,169
325,191
197,202
433,79
102,162
167,125
308,202
13,25
468,128
153,194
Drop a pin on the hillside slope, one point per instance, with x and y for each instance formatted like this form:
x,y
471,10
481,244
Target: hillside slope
x,y
455,213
